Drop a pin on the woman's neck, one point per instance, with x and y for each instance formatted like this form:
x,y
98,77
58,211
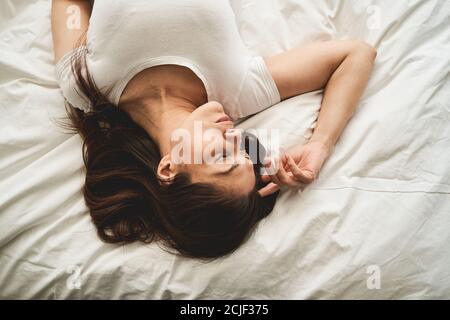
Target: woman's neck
x,y
160,116
160,98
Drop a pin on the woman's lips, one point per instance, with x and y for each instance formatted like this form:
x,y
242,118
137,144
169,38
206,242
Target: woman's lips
x,y
223,118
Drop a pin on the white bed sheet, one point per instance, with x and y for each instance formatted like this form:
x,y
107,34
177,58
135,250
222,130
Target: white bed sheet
x,y
382,199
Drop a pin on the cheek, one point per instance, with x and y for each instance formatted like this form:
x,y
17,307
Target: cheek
x,y
252,173
252,180
196,146
198,173
243,184
180,168
244,181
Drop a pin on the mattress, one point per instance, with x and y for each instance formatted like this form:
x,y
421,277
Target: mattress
x,y
375,225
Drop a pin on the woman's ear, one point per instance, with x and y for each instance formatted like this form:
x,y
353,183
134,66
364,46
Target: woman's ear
x,y
166,170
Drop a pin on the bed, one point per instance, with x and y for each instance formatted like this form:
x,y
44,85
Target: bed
x,y
375,225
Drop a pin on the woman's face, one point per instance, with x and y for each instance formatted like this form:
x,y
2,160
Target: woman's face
x,y
207,147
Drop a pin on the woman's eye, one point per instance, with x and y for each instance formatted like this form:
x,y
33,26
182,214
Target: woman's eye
x,y
223,156
246,155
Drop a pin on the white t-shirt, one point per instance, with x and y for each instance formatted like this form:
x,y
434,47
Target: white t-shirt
x,y
126,37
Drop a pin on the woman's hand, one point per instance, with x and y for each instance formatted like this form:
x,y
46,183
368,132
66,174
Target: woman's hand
x,y
342,68
298,167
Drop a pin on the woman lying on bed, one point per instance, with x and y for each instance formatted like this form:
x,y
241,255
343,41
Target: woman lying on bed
x,y
135,72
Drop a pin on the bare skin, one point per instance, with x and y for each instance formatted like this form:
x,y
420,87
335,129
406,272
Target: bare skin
x,y
168,97
164,98
162,86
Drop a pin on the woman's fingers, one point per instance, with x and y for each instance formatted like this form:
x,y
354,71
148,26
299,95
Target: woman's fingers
x,y
266,164
293,166
279,175
300,175
283,176
275,179
272,166
271,188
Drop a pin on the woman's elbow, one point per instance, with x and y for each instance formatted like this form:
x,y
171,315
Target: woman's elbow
x,y
363,47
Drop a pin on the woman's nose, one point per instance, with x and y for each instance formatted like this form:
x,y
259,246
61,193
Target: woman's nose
x,y
233,137
233,133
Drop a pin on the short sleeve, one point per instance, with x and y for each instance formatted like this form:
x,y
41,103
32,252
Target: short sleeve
x,y
67,83
259,90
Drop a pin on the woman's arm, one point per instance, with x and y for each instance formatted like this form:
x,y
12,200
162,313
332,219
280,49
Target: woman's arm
x,y
70,21
343,69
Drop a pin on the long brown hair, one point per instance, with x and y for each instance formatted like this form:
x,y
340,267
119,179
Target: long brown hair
x,y
126,201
